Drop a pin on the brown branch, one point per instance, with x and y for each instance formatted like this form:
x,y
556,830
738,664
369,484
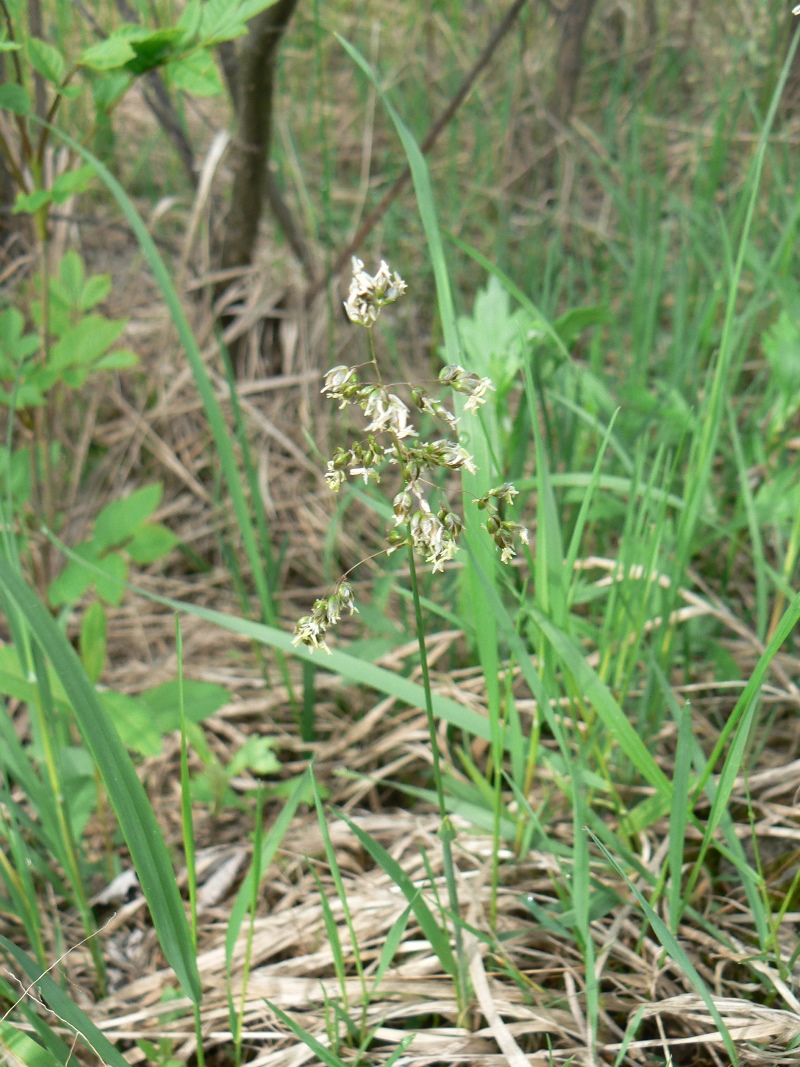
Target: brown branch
x,y
428,142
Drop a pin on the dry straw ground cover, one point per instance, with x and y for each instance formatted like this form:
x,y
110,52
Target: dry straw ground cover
x,y
596,821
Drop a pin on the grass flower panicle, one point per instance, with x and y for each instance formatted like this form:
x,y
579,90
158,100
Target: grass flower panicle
x,y
392,440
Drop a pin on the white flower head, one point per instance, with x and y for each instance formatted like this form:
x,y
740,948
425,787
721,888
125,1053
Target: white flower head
x,y
387,412
478,394
432,539
370,292
455,457
334,478
466,383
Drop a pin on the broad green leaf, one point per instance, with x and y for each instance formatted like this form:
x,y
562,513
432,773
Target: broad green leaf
x,y
14,98
77,776
96,289
71,271
189,21
249,8
107,55
47,60
92,641
201,699
71,183
196,73
111,586
119,359
121,519
73,581
30,202
151,542
220,21
151,49
14,342
256,755
134,722
126,793
85,342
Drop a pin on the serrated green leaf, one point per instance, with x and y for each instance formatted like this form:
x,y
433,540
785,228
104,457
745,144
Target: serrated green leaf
x,y
189,21
220,21
152,49
71,273
96,289
110,54
47,60
82,344
249,8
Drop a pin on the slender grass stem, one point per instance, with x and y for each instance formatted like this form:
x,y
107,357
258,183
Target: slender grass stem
x,y
446,831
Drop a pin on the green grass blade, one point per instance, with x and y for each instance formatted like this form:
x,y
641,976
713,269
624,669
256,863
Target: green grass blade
x,y
437,937
679,815
677,952
137,821
427,210
342,663
600,697
269,847
336,874
216,421
320,1051
65,1008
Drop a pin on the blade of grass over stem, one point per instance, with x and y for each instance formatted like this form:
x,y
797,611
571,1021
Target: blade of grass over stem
x,y
336,874
187,825
342,663
137,821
